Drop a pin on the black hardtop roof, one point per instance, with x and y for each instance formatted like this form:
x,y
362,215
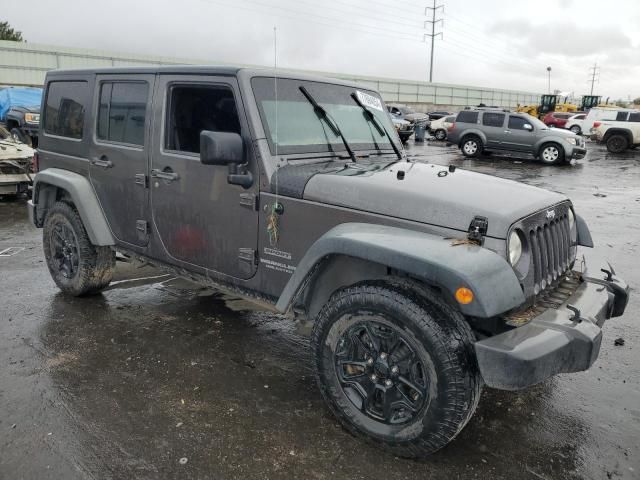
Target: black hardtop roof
x,y
220,70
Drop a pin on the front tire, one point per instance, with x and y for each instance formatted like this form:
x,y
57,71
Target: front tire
x,y
471,146
396,367
76,265
19,136
617,143
551,154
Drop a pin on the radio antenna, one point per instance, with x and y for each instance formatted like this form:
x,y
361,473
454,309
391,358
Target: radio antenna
x,y
272,222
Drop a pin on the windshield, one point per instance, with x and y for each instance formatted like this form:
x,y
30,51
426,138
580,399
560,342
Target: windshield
x,y
298,129
540,125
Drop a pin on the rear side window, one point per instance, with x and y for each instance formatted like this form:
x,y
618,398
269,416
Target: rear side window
x,y
634,117
64,109
122,112
621,116
194,108
580,117
467,117
493,119
450,119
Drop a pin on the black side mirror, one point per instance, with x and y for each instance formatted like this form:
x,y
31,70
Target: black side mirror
x,y
226,148
221,148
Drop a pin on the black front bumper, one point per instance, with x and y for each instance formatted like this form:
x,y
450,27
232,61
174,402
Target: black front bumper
x,y
556,341
578,153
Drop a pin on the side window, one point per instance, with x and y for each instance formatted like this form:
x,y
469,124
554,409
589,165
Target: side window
x,y
621,117
194,108
467,116
580,117
517,123
490,119
634,117
450,119
64,108
122,111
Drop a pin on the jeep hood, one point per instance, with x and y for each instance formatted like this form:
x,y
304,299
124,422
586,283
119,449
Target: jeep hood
x,y
429,193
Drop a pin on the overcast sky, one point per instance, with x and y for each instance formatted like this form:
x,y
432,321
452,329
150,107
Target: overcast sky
x,y
495,43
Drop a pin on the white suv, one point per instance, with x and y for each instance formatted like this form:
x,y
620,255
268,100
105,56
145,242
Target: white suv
x,y
620,134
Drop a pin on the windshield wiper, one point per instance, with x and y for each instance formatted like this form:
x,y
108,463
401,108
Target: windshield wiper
x,y
381,128
322,114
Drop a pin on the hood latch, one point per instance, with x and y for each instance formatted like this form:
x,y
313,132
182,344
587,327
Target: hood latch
x,y
478,229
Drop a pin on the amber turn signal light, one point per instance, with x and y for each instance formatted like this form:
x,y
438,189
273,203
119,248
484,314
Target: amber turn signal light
x,y
464,295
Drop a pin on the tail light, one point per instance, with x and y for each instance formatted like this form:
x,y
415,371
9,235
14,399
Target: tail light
x,y
596,124
451,126
35,163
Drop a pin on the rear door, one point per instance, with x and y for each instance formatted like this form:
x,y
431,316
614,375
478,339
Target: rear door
x,y
200,218
119,153
493,127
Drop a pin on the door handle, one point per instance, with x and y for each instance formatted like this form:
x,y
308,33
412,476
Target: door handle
x,y
166,174
103,162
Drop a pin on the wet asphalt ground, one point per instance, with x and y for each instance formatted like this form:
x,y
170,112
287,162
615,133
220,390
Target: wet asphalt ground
x,y
158,378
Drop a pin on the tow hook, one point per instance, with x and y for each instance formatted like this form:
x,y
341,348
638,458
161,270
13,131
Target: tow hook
x,y
577,316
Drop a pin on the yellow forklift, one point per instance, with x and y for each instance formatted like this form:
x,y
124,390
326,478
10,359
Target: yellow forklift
x,y
548,103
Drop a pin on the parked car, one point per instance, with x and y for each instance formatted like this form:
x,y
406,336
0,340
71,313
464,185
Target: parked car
x,y
16,161
556,119
619,135
20,113
603,113
437,115
404,128
420,284
575,123
480,129
440,127
406,113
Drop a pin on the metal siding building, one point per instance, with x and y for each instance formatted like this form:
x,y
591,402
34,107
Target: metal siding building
x,y
27,64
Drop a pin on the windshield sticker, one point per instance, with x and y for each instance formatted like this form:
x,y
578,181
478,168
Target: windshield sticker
x,y
369,100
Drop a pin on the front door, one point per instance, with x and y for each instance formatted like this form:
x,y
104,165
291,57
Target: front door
x,y
119,153
200,218
520,134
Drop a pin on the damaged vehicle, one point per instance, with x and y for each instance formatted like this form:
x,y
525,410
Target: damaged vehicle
x,y
20,113
418,288
16,161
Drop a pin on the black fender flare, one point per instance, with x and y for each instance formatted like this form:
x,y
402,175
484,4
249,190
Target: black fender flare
x,y
430,258
84,199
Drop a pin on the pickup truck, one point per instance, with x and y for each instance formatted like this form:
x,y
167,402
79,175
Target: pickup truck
x,y
618,135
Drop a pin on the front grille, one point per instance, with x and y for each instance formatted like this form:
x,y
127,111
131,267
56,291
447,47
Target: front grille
x,y
550,251
549,246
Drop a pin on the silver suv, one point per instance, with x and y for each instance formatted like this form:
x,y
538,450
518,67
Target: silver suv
x,y
477,130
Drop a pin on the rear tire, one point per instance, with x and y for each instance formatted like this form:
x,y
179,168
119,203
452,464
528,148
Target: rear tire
x,y
471,146
396,367
76,265
576,129
551,154
440,134
617,143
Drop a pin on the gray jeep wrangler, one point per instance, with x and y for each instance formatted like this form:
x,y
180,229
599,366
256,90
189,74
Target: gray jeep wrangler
x,y
420,283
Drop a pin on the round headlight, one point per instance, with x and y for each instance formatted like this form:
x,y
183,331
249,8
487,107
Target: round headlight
x,y
515,248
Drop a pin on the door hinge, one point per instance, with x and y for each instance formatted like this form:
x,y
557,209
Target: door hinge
x,y
142,229
141,179
248,255
249,200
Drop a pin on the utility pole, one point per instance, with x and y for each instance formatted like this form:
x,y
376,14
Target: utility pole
x,y
549,79
433,33
594,71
